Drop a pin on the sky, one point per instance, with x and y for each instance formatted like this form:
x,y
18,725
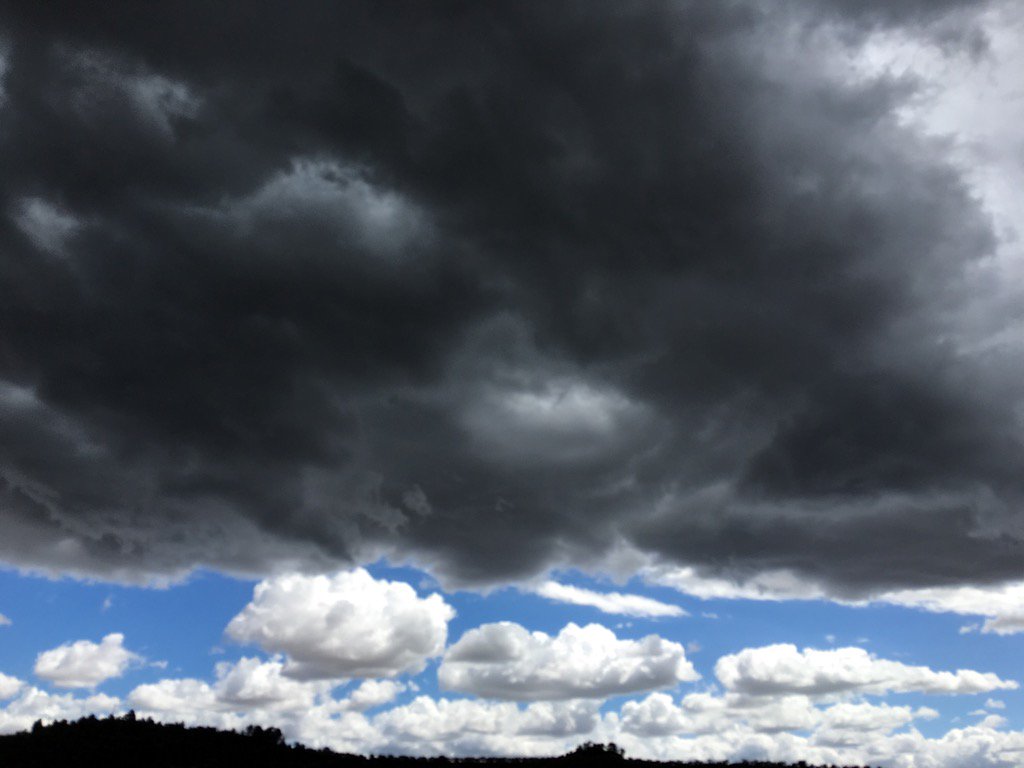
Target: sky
x,y
486,378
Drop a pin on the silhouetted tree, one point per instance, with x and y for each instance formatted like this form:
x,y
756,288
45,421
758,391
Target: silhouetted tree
x,y
126,741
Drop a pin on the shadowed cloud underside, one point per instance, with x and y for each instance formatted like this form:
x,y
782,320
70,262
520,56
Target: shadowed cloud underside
x,y
494,289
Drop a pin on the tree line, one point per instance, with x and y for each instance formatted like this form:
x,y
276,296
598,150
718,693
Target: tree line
x,y
130,742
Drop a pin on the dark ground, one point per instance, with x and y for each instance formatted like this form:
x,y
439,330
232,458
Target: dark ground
x,y
129,742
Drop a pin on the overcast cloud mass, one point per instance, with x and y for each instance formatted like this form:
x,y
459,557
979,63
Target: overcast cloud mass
x,y
494,288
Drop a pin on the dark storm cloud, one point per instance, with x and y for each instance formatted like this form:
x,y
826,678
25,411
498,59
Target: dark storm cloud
x,y
491,287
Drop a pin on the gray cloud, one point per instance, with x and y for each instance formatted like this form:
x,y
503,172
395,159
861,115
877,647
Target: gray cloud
x,y
492,288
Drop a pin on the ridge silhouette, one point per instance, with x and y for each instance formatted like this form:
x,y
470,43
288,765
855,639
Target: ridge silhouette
x,y
129,742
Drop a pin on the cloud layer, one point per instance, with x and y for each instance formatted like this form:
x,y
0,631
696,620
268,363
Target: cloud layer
x,y
841,728
495,290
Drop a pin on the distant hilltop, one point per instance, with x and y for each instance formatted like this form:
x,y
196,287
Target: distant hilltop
x,y
128,742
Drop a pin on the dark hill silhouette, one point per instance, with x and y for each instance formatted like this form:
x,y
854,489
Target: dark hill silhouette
x,y
127,742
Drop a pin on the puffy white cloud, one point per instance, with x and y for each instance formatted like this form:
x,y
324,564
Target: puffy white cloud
x,y
256,692
429,721
346,625
251,691
995,704
34,704
735,727
472,727
974,747
992,721
852,724
374,693
844,724
558,718
978,746
9,686
607,602
4,621
252,683
184,700
344,731
85,664
659,715
656,715
778,669
774,715
506,661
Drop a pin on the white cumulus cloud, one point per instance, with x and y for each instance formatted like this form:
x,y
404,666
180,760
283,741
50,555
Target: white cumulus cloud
x,y
470,727
782,668
183,700
506,661
9,686
346,625
85,664
374,693
852,724
34,704
699,713
251,691
251,683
